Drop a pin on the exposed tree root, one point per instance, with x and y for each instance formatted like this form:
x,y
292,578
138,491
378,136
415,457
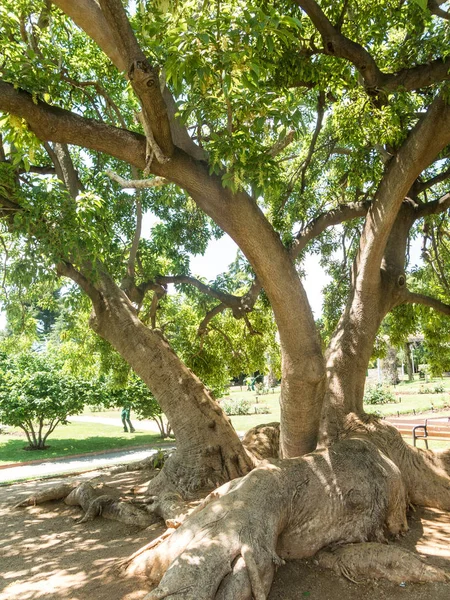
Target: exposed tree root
x,y
156,461
371,560
190,475
169,506
263,441
425,473
94,503
229,546
48,494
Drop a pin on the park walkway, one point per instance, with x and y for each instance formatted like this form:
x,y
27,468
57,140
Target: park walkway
x,y
72,465
85,462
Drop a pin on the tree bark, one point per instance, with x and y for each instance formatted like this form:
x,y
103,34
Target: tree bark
x,y
209,451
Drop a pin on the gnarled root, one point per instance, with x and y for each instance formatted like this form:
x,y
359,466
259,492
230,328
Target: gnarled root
x,y
94,503
263,441
169,506
371,560
229,547
188,475
155,461
46,495
425,473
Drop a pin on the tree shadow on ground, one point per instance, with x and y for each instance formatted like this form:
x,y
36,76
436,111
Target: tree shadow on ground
x,y
45,555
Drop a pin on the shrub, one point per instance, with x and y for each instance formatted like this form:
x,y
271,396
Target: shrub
x,y
438,389
236,407
36,395
378,395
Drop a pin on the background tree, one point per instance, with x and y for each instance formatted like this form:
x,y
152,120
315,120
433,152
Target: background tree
x,y
37,397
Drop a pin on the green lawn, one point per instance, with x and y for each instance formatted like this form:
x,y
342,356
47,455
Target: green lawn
x,y
79,438
76,438
406,393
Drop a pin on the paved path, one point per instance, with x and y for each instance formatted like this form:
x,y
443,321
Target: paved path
x,y
87,462
79,464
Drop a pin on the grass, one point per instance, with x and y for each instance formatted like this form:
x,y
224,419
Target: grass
x,y
76,438
408,401
81,438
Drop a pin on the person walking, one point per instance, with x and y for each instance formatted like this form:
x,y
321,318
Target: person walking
x,y
125,414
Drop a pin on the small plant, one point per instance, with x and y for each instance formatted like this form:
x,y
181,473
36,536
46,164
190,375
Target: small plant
x,y
159,459
426,390
378,395
438,389
236,407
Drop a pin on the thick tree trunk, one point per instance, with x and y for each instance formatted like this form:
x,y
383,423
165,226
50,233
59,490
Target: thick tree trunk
x,y
303,367
351,347
222,552
209,451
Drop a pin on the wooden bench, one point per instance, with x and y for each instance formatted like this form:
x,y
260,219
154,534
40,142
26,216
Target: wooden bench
x,y
436,428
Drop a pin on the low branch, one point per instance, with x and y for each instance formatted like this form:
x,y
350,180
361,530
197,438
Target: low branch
x,y
433,208
66,269
335,216
414,298
137,184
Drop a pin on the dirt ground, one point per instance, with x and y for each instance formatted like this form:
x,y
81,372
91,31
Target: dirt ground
x,y
45,555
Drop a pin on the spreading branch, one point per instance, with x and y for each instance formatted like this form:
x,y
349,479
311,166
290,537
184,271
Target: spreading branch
x,y
421,186
424,142
66,269
144,79
340,214
433,208
64,167
238,304
414,298
203,327
279,146
375,80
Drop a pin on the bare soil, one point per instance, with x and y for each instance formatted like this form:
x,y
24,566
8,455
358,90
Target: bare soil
x,y
45,555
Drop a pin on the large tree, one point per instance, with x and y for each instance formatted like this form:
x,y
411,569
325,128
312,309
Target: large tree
x,y
278,121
